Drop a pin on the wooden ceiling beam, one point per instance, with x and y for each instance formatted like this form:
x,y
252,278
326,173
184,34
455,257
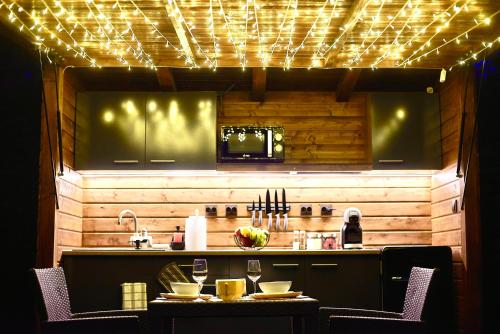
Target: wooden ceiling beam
x,y
166,79
348,25
180,32
259,80
346,84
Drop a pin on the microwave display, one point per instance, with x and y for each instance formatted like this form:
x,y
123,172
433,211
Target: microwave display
x,y
241,144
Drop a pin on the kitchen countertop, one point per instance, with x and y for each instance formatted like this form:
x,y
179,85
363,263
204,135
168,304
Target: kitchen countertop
x,y
122,251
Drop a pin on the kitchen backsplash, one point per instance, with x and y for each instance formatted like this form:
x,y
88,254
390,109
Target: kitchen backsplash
x,y
396,208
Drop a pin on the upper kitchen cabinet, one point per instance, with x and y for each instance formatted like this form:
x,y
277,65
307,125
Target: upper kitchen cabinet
x,y
180,130
139,130
109,130
405,131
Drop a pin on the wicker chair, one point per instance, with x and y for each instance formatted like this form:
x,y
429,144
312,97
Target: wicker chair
x,y
410,321
56,316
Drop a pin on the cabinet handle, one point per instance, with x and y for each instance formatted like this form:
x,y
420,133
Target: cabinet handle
x,y
185,265
324,265
389,161
285,265
126,161
161,161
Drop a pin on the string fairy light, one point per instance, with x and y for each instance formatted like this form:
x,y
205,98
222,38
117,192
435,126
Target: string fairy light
x,y
174,11
231,38
133,37
359,16
474,54
264,59
440,28
478,23
276,42
190,61
211,24
288,58
315,59
39,40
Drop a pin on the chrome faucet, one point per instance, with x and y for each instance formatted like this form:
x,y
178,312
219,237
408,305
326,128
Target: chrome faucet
x,y
140,240
134,216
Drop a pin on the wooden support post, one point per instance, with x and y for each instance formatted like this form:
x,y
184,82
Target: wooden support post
x,y
259,79
166,79
346,84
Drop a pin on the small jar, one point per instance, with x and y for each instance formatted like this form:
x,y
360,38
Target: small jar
x,y
314,241
302,237
330,240
296,240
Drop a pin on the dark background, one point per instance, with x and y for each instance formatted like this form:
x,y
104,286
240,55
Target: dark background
x,y
20,100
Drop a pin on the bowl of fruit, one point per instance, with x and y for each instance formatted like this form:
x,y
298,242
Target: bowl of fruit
x,y
251,238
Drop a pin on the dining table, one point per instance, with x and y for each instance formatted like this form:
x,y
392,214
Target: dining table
x,y
303,311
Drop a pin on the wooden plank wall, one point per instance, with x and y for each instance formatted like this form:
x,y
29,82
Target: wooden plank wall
x,y
396,208
68,219
317,128
447,225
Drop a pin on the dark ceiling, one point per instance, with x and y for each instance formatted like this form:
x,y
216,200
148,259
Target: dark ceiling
x,y
142,79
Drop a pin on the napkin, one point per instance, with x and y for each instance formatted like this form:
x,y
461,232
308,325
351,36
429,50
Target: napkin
x,y
134,296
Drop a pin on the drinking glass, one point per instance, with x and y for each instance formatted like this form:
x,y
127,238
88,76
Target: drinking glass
x,y
254,273
200,272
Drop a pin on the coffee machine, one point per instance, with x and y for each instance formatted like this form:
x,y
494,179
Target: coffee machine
x,y
351,233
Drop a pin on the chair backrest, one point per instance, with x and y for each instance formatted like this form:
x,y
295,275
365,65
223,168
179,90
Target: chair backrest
x,y
417,292
54,293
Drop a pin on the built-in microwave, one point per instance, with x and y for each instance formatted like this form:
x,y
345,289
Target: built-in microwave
x,y
247,144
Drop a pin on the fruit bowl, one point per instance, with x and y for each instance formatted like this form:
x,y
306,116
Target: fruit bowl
x,y
251,238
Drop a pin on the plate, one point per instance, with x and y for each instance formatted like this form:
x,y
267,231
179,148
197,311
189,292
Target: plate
x,y
289,294
171,295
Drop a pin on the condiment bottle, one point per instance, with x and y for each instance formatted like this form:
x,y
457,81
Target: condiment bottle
x,y
296,240
302,237
177,239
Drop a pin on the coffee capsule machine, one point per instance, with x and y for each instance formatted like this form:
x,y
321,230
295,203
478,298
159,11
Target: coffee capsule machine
x,y
351,233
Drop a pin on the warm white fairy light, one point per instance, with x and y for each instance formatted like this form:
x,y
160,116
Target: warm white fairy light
x,y
370,32
315,59
211,24
262,53
110,28
290,57
133,37
473,54
60,27
40,27
276,42
231,35
440,28
409,60
154,30
420,31
359,16
174,11
289,45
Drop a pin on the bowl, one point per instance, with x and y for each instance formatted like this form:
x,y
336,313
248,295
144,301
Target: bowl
x,y
182,288
275,287
246,244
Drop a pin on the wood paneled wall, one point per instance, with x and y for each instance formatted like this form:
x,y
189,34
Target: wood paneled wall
x,y
68,219
396,209
318,130
448,226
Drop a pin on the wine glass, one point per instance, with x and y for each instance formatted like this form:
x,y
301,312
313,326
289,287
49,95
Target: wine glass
x,y
254,273
200,272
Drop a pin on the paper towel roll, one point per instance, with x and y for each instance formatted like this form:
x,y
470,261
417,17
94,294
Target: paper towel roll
x,y
196,233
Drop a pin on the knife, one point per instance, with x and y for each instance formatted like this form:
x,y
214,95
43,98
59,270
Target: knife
x,y
260,211
277,210
269,213
285,215
253,213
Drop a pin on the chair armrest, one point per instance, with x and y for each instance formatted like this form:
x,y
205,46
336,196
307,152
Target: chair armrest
x,y
351,325
110,313
97,325
326,312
